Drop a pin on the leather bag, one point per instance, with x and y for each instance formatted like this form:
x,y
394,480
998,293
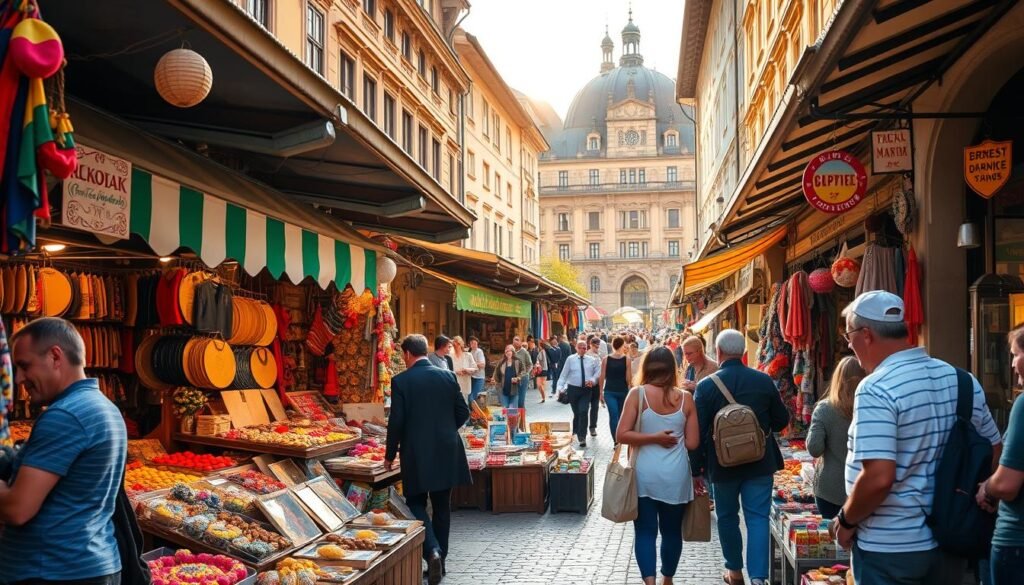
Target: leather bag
x,y
620,501
697,518
737,433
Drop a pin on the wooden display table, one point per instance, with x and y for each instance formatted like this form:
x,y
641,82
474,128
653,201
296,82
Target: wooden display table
x,y
381,477
520,488
326,451
402,565
477,495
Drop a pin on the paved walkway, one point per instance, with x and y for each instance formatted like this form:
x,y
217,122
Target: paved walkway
x,y
531,549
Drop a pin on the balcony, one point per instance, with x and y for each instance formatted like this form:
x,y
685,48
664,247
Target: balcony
x,y
583,258
619,187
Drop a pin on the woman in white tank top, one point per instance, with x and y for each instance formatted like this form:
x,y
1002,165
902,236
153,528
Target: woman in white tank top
x,y
668,430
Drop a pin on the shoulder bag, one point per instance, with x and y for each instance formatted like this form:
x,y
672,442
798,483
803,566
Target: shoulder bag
x,y
620,501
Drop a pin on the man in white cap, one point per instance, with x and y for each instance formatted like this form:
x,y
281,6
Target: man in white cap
x,y
903,414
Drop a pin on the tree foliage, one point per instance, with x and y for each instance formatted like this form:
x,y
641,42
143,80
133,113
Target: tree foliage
x,y
563,273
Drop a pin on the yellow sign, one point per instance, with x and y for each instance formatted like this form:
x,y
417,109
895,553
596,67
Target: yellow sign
x,y
987,166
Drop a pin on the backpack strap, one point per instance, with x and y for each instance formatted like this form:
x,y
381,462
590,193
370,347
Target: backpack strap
x,y
964,394
722,388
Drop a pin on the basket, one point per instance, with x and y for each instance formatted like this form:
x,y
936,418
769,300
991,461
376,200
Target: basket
x,y
209,425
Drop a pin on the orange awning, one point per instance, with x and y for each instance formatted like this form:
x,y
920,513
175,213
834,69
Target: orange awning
x,y
710,270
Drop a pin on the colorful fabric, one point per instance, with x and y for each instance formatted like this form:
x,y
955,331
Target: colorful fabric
x,y
6,387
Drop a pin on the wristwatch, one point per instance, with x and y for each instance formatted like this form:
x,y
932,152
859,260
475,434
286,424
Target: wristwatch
x,y
841,517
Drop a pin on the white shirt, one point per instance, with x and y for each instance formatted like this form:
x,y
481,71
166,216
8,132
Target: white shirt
x,y
603,351
481,363
572,375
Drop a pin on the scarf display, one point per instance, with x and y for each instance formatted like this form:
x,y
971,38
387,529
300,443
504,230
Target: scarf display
x,y
913,312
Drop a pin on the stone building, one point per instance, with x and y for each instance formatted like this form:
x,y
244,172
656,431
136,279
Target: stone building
x,y
617,186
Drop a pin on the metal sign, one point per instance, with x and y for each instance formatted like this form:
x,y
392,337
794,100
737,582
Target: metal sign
x,y
987,166
891,152
834,181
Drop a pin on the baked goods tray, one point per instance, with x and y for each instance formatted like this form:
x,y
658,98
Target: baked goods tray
x,y
323,451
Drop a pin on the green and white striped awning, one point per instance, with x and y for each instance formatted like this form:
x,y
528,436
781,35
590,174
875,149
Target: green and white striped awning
x,y
169,216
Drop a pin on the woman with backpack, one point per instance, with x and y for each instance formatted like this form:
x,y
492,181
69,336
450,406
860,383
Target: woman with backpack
x,y
667,431
827,436
1003,489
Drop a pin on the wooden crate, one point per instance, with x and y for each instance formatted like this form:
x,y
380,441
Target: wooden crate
x,y
571,492
477,495
519,489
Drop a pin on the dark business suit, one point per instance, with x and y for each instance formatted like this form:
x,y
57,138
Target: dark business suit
x,y
567,352
427,410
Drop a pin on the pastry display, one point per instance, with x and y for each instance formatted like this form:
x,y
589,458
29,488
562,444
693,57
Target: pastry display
x,y
220,533
147,479
310,404
302,436
293,571
330,552
186,568
349,543
198,462
256,482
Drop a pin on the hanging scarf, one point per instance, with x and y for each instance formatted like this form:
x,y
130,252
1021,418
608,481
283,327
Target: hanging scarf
x,y
913,312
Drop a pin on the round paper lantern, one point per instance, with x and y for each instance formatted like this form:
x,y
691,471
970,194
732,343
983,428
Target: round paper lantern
x,y
845,272
386,270
183,78
821,281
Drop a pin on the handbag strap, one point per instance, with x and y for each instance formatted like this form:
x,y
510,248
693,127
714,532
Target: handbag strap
x,y
721,386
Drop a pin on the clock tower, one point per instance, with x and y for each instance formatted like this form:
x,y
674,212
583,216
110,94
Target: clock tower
x,y
632,125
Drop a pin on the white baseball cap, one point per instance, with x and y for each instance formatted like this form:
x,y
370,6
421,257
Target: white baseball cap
x,y
878,305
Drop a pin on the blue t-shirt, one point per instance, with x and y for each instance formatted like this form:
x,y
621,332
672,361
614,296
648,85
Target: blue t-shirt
x,y
81,437
1010,522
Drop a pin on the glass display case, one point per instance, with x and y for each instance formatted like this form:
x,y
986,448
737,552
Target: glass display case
x,y
997,307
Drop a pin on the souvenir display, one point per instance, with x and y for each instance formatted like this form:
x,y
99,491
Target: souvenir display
x,y
256,367
354,354
286,513
310,404
318,509
330,494
366,456
254,322
256,482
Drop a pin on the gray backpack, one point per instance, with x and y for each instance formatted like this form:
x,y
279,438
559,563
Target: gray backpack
x,y
737,433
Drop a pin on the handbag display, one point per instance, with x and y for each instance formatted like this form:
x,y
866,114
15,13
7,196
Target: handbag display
x,y
620,501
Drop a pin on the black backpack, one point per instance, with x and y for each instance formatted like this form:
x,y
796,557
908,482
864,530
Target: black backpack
x,y
961,527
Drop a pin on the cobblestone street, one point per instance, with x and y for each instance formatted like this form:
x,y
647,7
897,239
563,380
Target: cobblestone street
x,y
529,549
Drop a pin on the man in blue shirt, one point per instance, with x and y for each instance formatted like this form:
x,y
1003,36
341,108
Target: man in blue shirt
x,y
56,510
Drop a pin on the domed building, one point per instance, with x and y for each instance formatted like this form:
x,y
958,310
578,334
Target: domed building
x,y
617,186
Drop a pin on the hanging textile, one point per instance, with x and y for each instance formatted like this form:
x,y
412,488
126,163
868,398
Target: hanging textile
x,y
797,330
913,313
878,270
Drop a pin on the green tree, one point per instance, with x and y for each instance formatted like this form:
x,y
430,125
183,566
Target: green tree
x,y
563,273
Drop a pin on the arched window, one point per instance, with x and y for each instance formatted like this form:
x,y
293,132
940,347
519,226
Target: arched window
x,y
635,293
595,284
671,140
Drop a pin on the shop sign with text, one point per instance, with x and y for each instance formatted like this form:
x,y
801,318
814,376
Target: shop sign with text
x,y
478,300
891,152
834,181
97,197
987,166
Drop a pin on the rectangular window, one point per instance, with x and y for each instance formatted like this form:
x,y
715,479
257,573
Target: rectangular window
x,y
563,222
435,149
487,235
595,177
314,39
471,163
389,115
451,101
348,76
593,220
421,63
672,174
593,143
622,176
563,252
673,218
632,176
470,103
508,143
497,184
435,81
643,249
389,25
508,192
497,131
563,179
370,8
407,132
424,140
633,220
257,9
487,176
370,97
622,249
671,141
673,248
595,250
511,254
407,46
642,176
498,248
451,173
634,249
487,119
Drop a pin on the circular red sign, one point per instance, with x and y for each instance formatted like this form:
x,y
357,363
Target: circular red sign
x,y
834,181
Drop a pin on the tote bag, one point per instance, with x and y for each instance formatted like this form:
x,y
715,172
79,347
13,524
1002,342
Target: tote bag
x,y
620,501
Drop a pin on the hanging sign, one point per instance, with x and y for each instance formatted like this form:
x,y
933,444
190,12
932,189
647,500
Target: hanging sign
x,y
834,181
891,152
987,166
97,197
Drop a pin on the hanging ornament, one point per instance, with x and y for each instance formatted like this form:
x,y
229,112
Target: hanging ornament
x,y
36,49
386,270
821,281
183,78
846,271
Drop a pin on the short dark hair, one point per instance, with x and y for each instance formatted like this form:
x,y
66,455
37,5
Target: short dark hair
x,y
473,338
51,331
415,344
440,341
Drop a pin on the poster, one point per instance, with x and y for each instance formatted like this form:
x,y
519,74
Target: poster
x,y
98,196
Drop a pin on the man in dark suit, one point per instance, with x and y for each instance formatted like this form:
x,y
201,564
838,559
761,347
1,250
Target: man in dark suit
x,y
567,352
427,410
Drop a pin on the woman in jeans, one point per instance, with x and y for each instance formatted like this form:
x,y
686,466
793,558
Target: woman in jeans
x,y
668,429
477,378
506,377
465,365
826,438
1004,487
616,371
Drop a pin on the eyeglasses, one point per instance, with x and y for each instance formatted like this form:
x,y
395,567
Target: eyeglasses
x,y
847,335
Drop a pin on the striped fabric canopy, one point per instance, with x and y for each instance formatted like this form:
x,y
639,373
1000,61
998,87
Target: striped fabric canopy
x,y
168,216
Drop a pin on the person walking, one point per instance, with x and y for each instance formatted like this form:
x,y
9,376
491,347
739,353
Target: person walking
x,y
439,357
616,372
827,436
903,414
668,430
464,366
506,377
57,509
566,350
523,354
595,392
749,484
580,373
427,410
540,369
634,358
554,356
1003,489
480,373
698,364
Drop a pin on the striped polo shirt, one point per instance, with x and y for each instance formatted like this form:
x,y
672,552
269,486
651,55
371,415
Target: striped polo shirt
x,y
81,438
903,412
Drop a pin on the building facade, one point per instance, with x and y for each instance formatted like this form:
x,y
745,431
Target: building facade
x,y
617,186
503,146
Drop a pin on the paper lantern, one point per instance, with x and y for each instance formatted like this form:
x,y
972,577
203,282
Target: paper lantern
x,y
821,281
386,270
845,272
183,78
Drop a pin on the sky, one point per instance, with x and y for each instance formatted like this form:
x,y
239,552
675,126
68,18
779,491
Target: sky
x,y
549,49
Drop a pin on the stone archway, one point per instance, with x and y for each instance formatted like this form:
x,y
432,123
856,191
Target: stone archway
x,y
636,293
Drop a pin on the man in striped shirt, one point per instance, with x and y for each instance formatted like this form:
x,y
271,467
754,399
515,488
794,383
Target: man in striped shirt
x,y
903,414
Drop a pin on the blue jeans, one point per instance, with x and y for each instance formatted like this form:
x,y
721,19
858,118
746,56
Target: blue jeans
x,y
653,515
614,400
508,401
1006,564
756,496
524,385
476,385
929,567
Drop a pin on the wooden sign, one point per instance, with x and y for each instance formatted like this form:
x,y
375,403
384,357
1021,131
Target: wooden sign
x,y
98,195
834,181
891,152
987,166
